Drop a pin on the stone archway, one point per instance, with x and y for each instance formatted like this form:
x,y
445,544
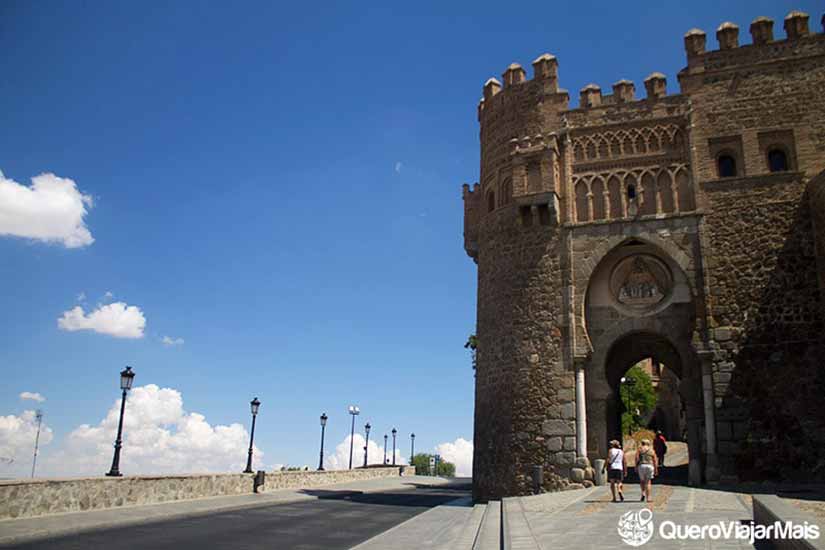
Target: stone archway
x,y
640,304
604,403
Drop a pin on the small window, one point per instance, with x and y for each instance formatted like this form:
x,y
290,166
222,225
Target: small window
x,y
491,201
631,192
727,166
777,160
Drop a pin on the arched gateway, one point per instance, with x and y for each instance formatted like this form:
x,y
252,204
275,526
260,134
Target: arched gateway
x,y
605,234
640,304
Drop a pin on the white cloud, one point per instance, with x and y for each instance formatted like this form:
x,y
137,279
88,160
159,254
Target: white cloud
x,y
460,453
108,295
115,319
339,460
34,396
169,341
17,435
52,209
81,297
159,437
398,166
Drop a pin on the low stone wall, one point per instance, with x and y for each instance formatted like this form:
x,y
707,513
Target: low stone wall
x,y
768,509
38,497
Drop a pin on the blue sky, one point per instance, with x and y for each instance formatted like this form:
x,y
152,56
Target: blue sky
x,y
279,186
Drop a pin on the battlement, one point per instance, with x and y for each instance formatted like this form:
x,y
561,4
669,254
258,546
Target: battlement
x,y
545,79
798,42
729,53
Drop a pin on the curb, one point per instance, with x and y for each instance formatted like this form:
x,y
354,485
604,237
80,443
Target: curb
x,y
768,509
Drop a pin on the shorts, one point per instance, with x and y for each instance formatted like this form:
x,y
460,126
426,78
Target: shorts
x,y
645,472
614,475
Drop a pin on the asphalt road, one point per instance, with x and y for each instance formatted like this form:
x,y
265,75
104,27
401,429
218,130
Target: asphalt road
x,y
337,520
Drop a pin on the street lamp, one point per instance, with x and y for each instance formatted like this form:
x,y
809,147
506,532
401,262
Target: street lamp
x,y
126,378
412,447
39,416
354,411
394,431
254,405
629,382
366,442
385,449
323,427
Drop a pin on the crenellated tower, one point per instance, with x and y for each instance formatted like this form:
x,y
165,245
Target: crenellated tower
x,y
658,227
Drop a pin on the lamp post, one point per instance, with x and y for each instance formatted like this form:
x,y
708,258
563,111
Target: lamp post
x,y
254,405
412,447
354,411
126,378
39,416
385,449
366,442
323,427
394,431
629,382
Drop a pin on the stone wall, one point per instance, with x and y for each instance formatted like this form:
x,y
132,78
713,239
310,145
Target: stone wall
x,y
766,310
521,384
27,498
764,313
816,193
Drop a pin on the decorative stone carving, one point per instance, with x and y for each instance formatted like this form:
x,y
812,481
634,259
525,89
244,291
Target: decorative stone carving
x,y
640,282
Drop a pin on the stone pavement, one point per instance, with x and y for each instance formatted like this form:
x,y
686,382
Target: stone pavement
x,y
30,529
584,518
587,517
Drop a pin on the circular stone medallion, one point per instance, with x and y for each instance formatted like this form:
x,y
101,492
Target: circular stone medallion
x,y
640,281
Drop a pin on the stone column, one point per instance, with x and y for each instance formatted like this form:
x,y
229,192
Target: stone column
x,y
711,460
581,413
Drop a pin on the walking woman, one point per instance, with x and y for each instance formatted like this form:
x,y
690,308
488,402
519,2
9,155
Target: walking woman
x,y
616,466
647,467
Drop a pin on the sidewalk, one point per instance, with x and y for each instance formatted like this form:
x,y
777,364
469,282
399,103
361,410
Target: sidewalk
x,y
30,529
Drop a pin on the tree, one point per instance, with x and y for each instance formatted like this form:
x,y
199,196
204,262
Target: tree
x,y
472,345
421,461
638,399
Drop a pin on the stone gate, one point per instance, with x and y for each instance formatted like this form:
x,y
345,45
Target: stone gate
x,y
688,228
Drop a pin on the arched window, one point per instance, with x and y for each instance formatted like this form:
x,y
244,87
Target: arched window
x,y
604,151
665,189
726,165
591,150
597,189
777,160
615,147
582,202
631,191
684,191
491,201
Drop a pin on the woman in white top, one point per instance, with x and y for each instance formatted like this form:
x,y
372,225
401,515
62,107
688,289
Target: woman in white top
x,y
616,467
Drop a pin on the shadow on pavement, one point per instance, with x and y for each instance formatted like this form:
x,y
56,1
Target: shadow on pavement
x,y
425,496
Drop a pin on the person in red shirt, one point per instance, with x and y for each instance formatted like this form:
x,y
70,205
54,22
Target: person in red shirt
x,y
660,447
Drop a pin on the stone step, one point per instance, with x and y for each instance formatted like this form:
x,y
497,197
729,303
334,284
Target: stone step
x,y
466,537
515,530
489,533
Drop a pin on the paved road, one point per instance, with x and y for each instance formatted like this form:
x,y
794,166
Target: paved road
x,y
337,520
